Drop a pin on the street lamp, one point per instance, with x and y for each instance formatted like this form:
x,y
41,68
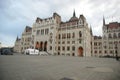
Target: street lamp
x,y
116,52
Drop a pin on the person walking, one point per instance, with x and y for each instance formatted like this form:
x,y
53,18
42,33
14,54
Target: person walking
x,y
117,58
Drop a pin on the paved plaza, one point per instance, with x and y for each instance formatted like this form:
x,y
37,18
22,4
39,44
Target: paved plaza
x,y
25,67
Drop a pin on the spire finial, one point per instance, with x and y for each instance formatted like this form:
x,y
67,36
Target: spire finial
x,y
17,38
103,20
74,15
91,30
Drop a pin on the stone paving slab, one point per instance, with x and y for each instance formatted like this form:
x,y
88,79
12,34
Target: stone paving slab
x,y
25,67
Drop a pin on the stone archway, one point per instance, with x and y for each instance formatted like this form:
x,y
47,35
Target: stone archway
x,y
45,46
80,51
73,54
41,46
58,53
37,45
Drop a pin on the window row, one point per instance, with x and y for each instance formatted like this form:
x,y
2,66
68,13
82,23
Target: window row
x,y
68,48
97,43
114,35
105,52
68,42
42,32
26,39
68,35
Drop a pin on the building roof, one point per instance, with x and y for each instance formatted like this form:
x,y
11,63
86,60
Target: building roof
x,y
113,25
97,37
82,17
28,29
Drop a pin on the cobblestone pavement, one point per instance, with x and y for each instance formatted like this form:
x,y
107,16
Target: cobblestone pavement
x,y
25,67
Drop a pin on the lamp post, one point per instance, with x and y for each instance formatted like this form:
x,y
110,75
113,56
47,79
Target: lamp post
x,y
116,52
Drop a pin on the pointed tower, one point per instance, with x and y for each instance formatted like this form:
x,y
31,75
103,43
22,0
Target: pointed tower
x,y
74,15
103,21
91,30
17,38
74,18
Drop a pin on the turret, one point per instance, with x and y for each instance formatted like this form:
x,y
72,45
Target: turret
x,y
91,30
17,38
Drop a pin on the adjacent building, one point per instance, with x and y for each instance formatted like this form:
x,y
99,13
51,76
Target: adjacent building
x,y
111,38
17,46
26,39
97,46
109,43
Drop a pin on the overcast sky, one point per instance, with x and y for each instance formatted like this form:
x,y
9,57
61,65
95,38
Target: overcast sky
x,y
16,14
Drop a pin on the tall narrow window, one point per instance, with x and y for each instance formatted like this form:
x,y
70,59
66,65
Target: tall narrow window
x,y
38,31
80,34
58,47
50,47
59,36
110,36
42,31
114,35
62,36
119,35
69,35
47,31
73,48
68,48
73,35
63,48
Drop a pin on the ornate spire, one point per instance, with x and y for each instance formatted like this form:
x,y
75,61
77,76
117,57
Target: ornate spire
x,y
73,18
74,15
17,38
91,30
103,21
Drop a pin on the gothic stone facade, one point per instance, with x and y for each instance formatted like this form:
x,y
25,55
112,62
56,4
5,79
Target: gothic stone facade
x,y
17,46
26,38
71,38
109,43
111,38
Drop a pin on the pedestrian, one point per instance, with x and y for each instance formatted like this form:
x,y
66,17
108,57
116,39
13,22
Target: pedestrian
x,y
117,58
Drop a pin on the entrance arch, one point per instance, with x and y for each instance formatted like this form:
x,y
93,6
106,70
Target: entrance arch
x,y
45,46
80,51
73,54
41,46
37,45
58,53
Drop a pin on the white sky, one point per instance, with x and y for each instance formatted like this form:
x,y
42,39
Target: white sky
x,y
16,14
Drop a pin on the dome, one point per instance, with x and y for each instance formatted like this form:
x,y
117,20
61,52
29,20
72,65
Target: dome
x,y
73,19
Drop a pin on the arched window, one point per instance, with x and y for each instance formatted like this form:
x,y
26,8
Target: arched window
x,y
104,36
50,47
59,36
73,48
114,35
58,47
110,36
45,46
119,35
73,36
80,34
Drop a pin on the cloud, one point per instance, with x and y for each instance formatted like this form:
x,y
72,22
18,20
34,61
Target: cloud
x,y
16,14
